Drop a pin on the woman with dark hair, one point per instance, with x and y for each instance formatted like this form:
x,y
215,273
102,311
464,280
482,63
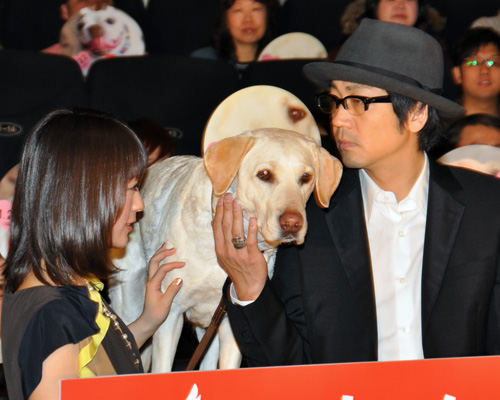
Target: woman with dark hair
x,y
405,12
76,198
415,13
242,29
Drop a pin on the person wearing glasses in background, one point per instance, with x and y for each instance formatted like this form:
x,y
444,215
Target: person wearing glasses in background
x,y
405,262
477,71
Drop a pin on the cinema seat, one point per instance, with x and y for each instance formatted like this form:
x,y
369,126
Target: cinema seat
x,y
31,85
178,92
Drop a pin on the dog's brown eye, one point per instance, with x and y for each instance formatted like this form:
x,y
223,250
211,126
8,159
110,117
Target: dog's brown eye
x,y
305,178
265,175
79,26
110,21
296,114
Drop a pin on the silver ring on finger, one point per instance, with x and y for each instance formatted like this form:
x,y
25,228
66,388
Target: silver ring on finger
x,y
239,242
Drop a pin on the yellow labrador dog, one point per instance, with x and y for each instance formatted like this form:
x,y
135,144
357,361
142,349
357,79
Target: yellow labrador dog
x,y
272,173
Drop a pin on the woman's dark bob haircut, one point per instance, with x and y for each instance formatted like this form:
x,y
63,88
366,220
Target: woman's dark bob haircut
x,y
221,38
71,187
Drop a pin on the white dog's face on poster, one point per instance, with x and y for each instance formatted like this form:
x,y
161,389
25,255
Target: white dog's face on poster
x,y
257,107
104,32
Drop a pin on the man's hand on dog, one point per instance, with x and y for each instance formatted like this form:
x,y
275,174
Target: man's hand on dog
x,y
246,267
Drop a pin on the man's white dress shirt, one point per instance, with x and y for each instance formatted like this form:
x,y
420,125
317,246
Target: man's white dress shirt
x,y
396,234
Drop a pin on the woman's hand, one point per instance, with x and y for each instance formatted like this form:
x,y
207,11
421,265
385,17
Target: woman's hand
x,y
246,267
156,303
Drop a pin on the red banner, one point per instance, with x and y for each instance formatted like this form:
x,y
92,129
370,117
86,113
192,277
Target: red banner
x,y
474,378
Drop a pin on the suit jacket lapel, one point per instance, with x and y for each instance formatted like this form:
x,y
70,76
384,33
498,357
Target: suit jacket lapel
x,y
444,214
346,223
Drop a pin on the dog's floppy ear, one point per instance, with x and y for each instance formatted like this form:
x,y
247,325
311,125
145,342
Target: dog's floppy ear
x,y
223,159
328,174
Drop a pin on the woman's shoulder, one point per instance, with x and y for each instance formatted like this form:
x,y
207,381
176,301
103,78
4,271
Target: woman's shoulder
x,y
68,318
50,309
36,298
70,302
28,301
39,320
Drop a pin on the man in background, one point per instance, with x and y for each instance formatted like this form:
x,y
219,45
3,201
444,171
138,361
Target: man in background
x,y
477,71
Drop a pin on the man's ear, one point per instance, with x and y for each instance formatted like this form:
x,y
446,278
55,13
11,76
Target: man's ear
x,y
64,12
456,73
417,117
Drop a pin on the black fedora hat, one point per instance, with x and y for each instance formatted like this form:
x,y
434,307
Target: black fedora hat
x,y
394,57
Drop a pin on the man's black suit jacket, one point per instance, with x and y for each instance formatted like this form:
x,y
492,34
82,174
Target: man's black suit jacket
x,y
319,306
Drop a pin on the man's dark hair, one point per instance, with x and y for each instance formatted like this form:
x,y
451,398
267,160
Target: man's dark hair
x,y
154,135
454,130
430,134
473,39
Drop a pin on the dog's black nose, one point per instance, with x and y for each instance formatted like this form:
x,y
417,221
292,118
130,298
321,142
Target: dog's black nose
x,y
96,31
291,221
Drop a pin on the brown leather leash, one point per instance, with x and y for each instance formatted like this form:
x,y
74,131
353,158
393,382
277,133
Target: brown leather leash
x,y
207,338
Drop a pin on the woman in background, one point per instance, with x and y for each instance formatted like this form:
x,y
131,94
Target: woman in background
x,y
242,29
417,13
76,198
156,139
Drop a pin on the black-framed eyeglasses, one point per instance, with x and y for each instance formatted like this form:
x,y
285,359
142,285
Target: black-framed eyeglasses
x,y
355,105
493,61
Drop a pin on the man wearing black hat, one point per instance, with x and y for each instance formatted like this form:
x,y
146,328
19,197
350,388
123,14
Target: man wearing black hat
x,y
405,263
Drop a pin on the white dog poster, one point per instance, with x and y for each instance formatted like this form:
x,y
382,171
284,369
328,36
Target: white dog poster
x,y
90,35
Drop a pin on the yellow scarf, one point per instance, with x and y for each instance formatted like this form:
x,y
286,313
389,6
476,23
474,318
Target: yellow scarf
x,y
88,352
